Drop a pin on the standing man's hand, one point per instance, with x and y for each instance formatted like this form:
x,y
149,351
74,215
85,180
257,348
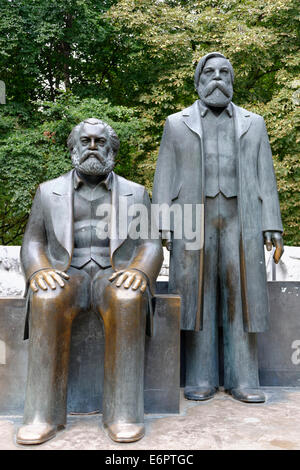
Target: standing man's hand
x,y
47,278
166,238
274,239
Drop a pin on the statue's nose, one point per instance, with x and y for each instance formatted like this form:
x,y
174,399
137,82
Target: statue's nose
x,y
92,145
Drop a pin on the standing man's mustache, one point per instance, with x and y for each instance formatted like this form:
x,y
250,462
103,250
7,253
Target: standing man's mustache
x,y
216,84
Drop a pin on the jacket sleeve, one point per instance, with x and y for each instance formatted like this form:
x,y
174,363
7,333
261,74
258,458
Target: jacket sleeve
x,y
164,175
34,246
271,217
148,256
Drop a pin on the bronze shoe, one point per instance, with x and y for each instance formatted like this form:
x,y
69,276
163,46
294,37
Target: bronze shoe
x,y
35,433
248,395
200,393
125,432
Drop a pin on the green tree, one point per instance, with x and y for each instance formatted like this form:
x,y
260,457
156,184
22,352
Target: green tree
x,y
34,151
261,39
47,46
139,56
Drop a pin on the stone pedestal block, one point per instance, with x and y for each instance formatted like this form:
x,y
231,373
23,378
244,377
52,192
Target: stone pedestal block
x,y
162,361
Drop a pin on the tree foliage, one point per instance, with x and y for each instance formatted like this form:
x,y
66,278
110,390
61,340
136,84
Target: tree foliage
x,y
33,151
132,63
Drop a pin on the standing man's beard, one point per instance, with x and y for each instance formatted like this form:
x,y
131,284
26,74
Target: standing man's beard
x,y
216,93
93,162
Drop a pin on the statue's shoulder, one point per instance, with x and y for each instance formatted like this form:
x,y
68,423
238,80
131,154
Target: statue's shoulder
x,y
124,183
179,115
176,116
58,183
246,112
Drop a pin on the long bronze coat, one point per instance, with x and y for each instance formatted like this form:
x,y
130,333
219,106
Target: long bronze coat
x,y
180,179
49,237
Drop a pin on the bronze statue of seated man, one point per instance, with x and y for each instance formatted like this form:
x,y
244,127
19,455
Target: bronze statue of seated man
x,y
76,256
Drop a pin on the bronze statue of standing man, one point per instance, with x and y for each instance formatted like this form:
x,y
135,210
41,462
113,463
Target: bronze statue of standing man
x,y
217,154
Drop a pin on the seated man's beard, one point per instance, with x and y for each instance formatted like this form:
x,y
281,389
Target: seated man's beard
x,y
93,162
216,93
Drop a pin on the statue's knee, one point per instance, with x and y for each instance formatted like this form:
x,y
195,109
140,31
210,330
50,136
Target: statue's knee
x,y
120,294
50,295
127,295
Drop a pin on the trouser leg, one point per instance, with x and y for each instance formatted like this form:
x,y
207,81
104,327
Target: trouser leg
x,y
240,351
51,316
124,316
201,349
240,357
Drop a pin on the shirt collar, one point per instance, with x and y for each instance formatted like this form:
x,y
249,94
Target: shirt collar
x,y
204,109
78,181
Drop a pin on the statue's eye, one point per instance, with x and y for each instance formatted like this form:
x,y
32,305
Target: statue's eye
x,y
101,141
84,141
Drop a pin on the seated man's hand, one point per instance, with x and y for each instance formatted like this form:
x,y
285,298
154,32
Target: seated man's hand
x,y
130,279
274,239
47,278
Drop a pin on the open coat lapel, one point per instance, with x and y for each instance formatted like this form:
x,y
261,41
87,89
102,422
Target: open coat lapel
x,y
242,120
62,211
191,117
122,198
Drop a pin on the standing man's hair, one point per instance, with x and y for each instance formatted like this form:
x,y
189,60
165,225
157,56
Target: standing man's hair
x,y
202,63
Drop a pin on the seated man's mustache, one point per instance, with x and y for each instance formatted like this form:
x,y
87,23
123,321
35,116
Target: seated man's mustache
x,y
92,153
216,84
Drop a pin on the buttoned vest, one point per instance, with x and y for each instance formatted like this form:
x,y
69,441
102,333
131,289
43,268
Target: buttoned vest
x,y
91,230
220,155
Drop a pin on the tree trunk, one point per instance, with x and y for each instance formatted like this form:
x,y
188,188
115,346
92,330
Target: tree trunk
x,y
66,52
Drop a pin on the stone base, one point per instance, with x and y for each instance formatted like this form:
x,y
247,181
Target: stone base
x,y
162,361
279,347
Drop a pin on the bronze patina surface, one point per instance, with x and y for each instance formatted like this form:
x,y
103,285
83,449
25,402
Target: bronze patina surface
x,y
217,155
75,259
